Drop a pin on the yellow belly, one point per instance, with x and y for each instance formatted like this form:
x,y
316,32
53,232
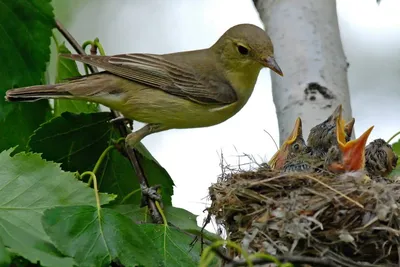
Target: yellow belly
x,y
150,105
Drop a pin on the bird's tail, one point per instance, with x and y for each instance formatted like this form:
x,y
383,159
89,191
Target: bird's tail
x,y
82,88
37,92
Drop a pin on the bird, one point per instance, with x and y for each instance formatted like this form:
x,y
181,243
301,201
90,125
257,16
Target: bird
x,y
338,158
380,158
323,136
190,89
347,156
291,147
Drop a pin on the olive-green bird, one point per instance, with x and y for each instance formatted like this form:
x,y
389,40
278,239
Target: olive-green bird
x,y
189,89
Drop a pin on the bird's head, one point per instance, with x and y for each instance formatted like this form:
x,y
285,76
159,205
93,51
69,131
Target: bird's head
x,y
323,135
292,146
353,152
246,46
348,128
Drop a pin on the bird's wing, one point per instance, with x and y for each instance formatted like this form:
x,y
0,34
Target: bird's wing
x,y
155,71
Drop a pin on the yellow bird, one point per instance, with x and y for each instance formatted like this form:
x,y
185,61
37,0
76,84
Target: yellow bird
x,y
189,89
293,146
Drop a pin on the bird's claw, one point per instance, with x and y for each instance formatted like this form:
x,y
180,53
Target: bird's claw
x,y
151,193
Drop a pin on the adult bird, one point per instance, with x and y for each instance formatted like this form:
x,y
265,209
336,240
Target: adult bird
x,y
189,89
380,158
291,147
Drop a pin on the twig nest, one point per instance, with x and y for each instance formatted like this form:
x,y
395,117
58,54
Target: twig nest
x,y
345,218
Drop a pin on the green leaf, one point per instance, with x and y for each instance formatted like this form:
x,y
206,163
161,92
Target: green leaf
x,y
5,258
396,149
28,186
95,238
81,139
68,69
172,245
25,31
31,247
180,218
395,172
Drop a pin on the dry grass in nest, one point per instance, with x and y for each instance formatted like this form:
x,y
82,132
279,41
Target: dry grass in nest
x,y
341,218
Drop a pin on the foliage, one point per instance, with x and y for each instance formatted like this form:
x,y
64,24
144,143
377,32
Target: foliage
x,y
23,58
396,149
49,213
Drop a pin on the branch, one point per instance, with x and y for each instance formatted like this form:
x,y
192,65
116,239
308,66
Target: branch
x,y
282,258
122,128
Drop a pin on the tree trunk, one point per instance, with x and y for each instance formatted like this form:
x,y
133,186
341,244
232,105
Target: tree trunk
x,y
309,51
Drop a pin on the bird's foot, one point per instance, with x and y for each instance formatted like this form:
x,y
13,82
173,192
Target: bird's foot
x,y
150,193
123,120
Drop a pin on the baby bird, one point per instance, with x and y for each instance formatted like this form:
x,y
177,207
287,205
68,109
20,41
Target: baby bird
x,y
293,146
347,156
380,158
323,136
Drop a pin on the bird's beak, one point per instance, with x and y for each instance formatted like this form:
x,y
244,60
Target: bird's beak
x,y
296,132
354,151
270,62
279,159
336,114
348,128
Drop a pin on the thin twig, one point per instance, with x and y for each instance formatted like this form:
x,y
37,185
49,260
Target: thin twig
x,y
71,40
289,258
123,129
281,258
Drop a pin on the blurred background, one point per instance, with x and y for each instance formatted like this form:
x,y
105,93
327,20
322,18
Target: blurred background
x,y
371,40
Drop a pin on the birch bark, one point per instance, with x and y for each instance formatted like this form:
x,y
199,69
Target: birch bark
x,y
309,50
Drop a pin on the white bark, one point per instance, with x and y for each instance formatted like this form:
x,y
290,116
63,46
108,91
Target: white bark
x,y
309,51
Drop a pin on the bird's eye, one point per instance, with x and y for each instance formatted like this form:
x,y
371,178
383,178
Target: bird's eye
x,y
243,50
296,147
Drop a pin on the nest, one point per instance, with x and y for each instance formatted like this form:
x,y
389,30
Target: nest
x,y
341,218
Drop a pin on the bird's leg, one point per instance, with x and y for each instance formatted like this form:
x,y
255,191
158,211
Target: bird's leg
x,y
131,141
124,120
133,138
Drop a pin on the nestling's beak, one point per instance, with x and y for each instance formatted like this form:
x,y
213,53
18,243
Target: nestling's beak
x,y
270,62
279,159
354,150
336,114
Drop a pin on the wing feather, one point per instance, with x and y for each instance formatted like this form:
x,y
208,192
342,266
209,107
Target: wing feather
x,y
155,71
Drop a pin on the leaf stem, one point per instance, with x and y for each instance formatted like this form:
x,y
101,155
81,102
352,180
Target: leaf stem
x,y
55,40
96,191
208,253
101,158
99,46
129,195
391,138
99,161
165,222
